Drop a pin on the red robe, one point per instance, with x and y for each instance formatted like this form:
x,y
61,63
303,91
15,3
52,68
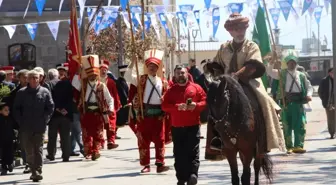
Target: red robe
x,y
111,128
148,129
93,123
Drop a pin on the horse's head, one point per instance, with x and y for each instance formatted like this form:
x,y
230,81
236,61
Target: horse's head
x,y
227,102
218,99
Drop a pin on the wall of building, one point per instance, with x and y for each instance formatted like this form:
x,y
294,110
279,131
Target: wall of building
x,y
48,51
200,55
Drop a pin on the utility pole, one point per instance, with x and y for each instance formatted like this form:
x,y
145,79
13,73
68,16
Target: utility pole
x,y
82,32
194,34
121,57
333,19
318,35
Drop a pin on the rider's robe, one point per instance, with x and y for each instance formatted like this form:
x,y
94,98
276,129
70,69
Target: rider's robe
x,y
249,50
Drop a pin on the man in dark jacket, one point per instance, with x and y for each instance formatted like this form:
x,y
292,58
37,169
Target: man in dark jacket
x,y
204,81
326,93
195,73
33,107
62,118
122,114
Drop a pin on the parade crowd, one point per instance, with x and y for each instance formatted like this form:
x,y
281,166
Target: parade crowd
x,y
82,107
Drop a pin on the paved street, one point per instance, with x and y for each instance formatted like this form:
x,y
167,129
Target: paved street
x,y
121,166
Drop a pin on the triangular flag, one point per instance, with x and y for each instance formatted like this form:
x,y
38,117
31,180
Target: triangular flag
x,y
0,2
40,6
53,27
109,2
123,4
60,6
32,28
10,29
306,5
81,4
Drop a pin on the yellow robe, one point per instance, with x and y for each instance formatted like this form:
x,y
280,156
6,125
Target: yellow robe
x,y
250,50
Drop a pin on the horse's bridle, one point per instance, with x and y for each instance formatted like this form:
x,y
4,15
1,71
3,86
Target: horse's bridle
x,y
225,116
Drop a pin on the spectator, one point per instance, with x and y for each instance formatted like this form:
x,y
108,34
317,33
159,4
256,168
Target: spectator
x,y
6,139
22,76
195,73
61,91
33,107
326,93
184,102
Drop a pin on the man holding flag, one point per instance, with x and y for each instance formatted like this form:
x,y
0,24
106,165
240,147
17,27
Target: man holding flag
x,y
244,56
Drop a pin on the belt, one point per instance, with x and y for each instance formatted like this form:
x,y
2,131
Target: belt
x,y
152,110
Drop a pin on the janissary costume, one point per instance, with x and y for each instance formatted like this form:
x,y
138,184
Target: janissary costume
x,y
95,108
111,127
231,57
296,89
151,127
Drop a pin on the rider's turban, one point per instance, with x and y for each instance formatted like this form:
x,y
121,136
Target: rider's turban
x,y
236,21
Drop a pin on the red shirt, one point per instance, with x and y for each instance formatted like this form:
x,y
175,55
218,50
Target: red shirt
x,y
179,94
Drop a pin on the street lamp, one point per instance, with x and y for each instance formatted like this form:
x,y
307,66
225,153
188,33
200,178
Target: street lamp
x,y
194,35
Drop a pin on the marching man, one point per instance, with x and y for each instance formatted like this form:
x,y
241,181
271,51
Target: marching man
x,y
297,91
95,108
111,86
150,127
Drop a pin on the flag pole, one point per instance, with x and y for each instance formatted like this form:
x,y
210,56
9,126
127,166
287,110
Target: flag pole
x,y
134,57
73,20
275,57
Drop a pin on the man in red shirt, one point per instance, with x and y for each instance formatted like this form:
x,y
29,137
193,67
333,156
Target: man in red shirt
x,y
184,101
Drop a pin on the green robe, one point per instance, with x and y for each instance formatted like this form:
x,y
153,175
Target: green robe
x,y
293,116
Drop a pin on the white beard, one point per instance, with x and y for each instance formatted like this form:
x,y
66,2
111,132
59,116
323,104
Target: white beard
x,y
238,41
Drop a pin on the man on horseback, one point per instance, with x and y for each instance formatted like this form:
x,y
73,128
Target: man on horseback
x,y
233,56
298,91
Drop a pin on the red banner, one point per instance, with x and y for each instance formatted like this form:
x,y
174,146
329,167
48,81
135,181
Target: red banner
x,y
74,46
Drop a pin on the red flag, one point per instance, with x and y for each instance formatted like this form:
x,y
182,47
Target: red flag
x,y
74,47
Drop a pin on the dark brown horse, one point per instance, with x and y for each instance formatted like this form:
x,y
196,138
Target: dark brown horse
x,y
231,114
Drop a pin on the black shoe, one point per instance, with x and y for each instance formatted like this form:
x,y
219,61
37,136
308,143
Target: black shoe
x,y
4,172
10,167
74,154
180,183
216,144
37,177
192,180
117,137
65,160
82,152
51,158
332,137
26,170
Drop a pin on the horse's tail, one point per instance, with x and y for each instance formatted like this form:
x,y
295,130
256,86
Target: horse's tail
x,y
267,167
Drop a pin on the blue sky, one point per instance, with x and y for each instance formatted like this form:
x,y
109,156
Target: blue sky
x,y
292,31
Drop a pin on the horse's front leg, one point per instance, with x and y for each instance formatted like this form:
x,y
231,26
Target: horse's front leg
x,y
246,158
231,155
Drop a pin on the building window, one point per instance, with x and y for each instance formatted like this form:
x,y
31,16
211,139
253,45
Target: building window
x,y
22,55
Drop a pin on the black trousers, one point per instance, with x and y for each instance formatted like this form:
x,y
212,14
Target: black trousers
x,y
186,151
7,153
62,125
